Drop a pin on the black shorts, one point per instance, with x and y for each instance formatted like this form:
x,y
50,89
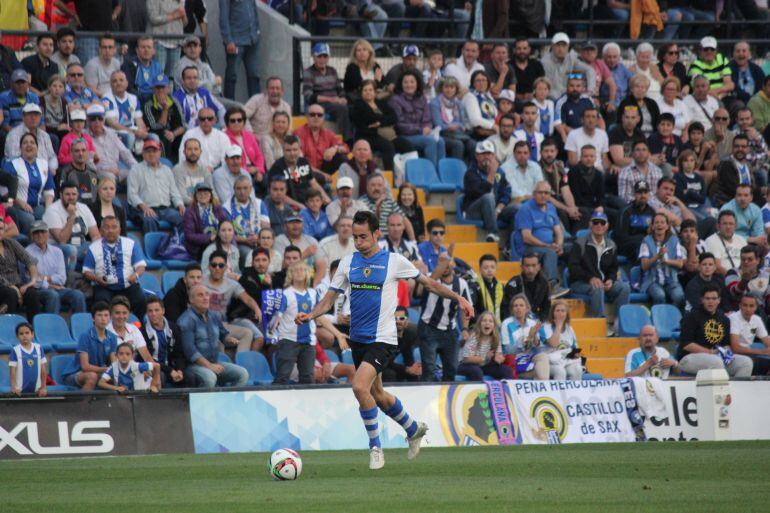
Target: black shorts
x,y
376,354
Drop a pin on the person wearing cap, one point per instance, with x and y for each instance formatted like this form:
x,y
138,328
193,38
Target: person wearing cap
x,y
39,65
81,171
189,172
239,28
14,99
167,17
320,146
261,107
31,117
52,274
76,93
321,85
72,224
142,69
226,174
560,61
193,52
99,69
164,118
345,204
77,131
16,295
410,55
604,81
466,66
201,220
213,141
193,97
714,66
114,157
593,268
486,190
152,192
500,71
123,112
634,222
293,235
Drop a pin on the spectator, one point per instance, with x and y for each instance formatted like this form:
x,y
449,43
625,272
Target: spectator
x,y
449,115
593,268
168,17
707,267
315,222
733,172
293,236
745,327
747,76
526,68
482,353
586,186
277,206
127,332
224,242
620,73
372,118
670,67
248,213
624,137
672,207
499,70
213,142
319,145
705,335
760,106
694,246
410,204
519,336
35,189
480,107
202,331
262,108
143,70
589,133
641,169
176,299
114,264
11,230
561,61
604,81
13,100
690,187
55,108
639,87
193,98
228,172
321,85
464,68
573,103
701,105
528,133
114,157
725,244
433,73
395,242
296,172
649,360
14,291
430,251
635,222
720,133
361,66
504,140
255,279
152,192
560,341
346,203
661,257
65,50
670,103
95,352
359,167
201,220
645,67
39,65
757,154
438,322
747,279
164,118
714,67
487,292
72,225
27,364
340,244
413,119
665,145
272,143
254,161
76,93
189,172
409,57
31,124
104,203
557,176
291,255
706,152
99,69
77,124
239,28
537,229
409,370
123,111
378,199
748,216
127,375
193,55
522,174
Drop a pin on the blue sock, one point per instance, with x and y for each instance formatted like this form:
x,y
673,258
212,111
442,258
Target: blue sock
x,y
397,413
370,423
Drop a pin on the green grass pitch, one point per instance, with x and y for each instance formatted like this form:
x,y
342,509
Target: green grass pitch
x,y
667,476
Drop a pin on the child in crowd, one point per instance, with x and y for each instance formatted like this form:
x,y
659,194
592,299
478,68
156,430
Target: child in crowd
x,y
55,108
665,146
548,118
27,363
125,374
314,220
506,102
433,74
407,200
706,151
690,186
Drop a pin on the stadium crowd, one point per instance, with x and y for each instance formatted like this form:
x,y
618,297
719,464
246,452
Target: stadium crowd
x,y
578,166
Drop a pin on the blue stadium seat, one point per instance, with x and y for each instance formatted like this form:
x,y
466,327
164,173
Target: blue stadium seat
x,y
150,285
422,173
460,215
635,279
152,264
5,378
256,364
169,279
151,244
52,330
592,376
413,314
80,323
452,171
56,365
223,358
8,323
631,319
332,355
582,233
132,318
5,348
347,357
565,283
666,319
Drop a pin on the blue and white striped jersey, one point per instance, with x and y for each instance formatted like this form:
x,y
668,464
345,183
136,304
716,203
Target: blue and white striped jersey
x,y
293,302
116,262
373,286
28,366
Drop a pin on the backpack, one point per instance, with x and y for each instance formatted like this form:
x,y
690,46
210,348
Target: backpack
x,y
171,246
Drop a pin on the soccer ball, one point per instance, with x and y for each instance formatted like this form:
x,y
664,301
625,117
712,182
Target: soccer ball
x,y
285,465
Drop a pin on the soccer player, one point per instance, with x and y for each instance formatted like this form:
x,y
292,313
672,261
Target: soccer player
x,y
125,374
371,274
27,363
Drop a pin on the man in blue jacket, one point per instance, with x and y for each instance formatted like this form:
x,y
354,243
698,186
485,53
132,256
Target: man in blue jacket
x,y
487,192
239,26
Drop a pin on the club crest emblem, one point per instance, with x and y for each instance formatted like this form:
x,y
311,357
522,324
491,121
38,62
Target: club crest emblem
x,y
367,272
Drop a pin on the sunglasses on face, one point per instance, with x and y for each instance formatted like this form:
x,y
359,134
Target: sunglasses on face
x,y
206,118
217,266
437,232
575,76
236,120
401,317
315,114
76,74
721,118
599,222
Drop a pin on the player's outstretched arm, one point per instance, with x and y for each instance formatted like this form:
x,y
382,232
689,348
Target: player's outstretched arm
x,y
445,292
321,308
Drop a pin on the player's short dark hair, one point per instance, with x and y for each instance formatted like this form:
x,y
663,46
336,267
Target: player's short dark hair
x,y
435,223
47,35
589,109
527,105
548,141
509,117
725,213
521,144
641,141
742,137
154,299
368,218
710,287
100,306
312,193
260,251
751,248
125,344
292,248
187,68
696,126
192,267
106,35
68,185
688,223
120,301
64,32
667,116
669,181
290,139
703,256
24,325
401,308
218,254
487,257
108,218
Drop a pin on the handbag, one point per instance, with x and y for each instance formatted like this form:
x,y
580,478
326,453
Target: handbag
x,y
387,132
171,246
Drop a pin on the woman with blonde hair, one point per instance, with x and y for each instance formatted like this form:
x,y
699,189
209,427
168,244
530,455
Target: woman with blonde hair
x,y
272,143
361,66
662,257
559,337
104,203
638,87
670,102
645,65
520,335
482,353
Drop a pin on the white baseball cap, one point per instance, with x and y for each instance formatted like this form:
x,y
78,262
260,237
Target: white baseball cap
x,y
345,181
560,37
31,107
233,151
485,147
708,42
78,115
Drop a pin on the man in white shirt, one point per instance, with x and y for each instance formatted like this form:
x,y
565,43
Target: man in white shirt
x,y
72,225
465,66
99,69
504,140
345,204
725,245
589,133
226,174
213,141
701,106
746,327
261,107
649,360
522,174
339,245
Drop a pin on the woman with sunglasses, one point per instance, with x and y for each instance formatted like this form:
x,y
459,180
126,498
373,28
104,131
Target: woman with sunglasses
x,y
670,66
253,160
661,257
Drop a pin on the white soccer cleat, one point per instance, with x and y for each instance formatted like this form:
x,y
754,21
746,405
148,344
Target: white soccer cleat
x,y
416,440
376,458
